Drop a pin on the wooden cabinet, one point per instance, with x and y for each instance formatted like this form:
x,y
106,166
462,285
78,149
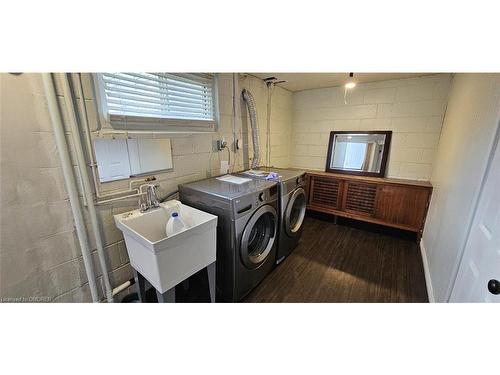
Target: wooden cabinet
x,y
359,198
393,202
326,192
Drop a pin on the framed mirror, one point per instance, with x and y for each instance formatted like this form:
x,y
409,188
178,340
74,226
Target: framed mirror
x,y
362,153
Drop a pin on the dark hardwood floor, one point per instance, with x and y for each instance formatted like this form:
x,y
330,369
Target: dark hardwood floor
x,y
349,262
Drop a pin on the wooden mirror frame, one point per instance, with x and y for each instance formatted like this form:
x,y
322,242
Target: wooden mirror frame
x,y
385,154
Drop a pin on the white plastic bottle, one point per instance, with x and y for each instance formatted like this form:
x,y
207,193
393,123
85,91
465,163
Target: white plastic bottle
x,y
174,224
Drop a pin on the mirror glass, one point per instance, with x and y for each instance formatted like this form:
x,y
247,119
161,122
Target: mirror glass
x,y
119,159
363,153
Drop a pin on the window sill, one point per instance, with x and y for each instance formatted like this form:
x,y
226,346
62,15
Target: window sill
x,y
149,124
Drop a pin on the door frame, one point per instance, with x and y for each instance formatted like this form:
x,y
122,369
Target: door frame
x,y
494,146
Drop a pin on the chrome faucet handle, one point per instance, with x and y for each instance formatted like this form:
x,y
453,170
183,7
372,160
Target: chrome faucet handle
x,y
152,198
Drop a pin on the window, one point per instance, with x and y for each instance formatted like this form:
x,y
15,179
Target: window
x,y
355,155
158,101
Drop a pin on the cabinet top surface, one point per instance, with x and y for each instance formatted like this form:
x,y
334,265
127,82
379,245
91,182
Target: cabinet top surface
x,y
379,180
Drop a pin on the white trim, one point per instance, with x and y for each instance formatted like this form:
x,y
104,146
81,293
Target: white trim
x,y
428,280
216,127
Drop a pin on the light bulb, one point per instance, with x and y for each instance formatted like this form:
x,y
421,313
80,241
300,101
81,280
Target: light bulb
x,y
350,85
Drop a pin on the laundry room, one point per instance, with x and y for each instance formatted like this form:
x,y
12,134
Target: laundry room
x,y
321,187
206,181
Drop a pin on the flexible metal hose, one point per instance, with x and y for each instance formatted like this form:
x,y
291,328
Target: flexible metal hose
x,y
252,110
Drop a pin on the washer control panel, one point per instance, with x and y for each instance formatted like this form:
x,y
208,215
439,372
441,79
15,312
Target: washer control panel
x,y
293,183
251,202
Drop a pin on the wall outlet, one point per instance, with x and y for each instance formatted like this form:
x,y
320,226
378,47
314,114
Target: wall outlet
x,y
224,167
221,144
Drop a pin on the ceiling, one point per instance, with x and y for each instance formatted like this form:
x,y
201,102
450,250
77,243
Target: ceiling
x,y
305,81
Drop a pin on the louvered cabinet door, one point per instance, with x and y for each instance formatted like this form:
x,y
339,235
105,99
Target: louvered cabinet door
x,y
324,192
360,198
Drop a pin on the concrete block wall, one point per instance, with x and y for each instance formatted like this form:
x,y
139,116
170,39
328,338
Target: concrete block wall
x,y
412,108
281,119
40,259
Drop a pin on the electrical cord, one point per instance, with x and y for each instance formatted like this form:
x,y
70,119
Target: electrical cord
x,y
270,90
168,196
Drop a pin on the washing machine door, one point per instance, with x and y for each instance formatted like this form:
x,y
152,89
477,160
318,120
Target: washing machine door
x,y
258,237
295,212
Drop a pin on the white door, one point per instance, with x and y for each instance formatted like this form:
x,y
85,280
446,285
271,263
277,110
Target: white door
x,y
478,278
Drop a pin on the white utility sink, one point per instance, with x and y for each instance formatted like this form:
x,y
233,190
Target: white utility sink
x,y
167,261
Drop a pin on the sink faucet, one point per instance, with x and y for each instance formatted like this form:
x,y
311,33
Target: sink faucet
x,y
151,198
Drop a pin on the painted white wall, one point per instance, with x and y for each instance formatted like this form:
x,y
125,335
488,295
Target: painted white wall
x,y
412,108
466,140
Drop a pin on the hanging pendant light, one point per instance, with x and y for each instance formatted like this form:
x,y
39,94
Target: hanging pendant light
x,y
351,83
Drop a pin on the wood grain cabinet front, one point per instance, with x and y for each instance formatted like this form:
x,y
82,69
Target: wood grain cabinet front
x,y
393,202
325,192
360,198
402,205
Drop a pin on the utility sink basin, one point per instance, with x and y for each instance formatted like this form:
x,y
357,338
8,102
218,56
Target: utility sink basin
x,y
167,261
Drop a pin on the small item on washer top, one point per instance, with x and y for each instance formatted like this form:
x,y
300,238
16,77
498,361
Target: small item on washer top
x,y
272,176
234,179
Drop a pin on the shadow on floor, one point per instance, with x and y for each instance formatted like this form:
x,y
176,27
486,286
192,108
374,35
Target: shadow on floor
x,y
347,262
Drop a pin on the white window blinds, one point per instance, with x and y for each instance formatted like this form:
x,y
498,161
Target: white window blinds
x,y
139,100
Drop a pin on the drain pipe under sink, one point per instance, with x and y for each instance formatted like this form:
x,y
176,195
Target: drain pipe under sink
x,y
87,190
69,179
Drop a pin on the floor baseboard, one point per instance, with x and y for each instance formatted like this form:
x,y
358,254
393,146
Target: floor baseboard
x,y
428,280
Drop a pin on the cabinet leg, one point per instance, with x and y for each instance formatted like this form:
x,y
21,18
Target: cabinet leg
x,y
141,286
167,297
211,281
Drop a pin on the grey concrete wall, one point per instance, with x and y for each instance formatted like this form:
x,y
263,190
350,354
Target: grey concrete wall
x,y
40,259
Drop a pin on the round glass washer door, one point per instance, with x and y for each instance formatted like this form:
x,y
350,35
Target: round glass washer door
x,y
258,237
295,212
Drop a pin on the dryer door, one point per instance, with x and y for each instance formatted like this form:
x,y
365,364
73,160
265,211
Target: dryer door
x,y
295,212
258,237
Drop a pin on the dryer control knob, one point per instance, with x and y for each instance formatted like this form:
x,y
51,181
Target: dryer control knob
x,y
261,197
298,180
